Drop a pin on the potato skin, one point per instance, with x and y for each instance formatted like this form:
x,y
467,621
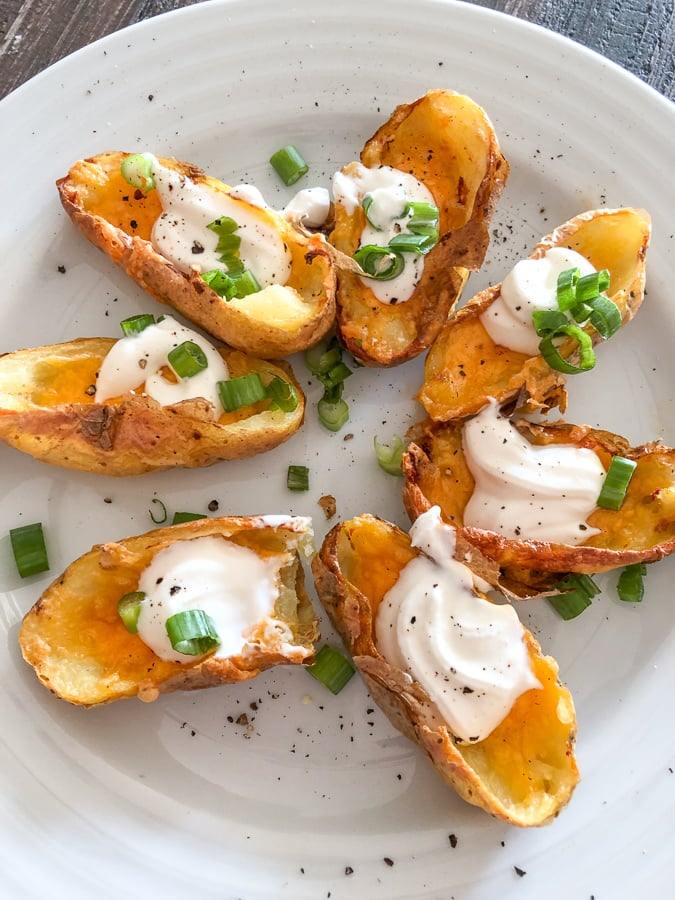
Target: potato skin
x,y
118,220
46,411
81,651
447,142
643,530
464,367
525,771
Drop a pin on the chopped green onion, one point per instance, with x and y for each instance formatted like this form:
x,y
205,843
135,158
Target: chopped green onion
x,y
136,169
164,512
335,376
332,414
591,285
550,352
379,262
566,288
323,356
192,632
289,164
283,394
238,392
576,594
580,312
187,359
615,485
297,478
180,517
630,586
223,226
331,669
419,242
389,456
604,315
232,284
136,324
29,549
129,609
547,320
421,214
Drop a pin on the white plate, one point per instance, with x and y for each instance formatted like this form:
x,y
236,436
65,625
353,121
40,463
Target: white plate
x,y
175,797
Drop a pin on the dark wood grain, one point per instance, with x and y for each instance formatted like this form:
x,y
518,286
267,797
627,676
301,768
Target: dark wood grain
x,y
637,34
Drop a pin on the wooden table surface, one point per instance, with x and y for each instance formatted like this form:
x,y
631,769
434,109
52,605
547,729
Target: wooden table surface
x,y
637,34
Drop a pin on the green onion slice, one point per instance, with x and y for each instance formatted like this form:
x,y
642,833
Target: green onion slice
x,y
421,214
419,242
129,609
389,456
336,375
162,506
192,632
615,485
283,394
297,478
332,414
243,391
180,517
137,171
29,549
630,586
331,669
566,288
136,324
546,321
233,283
187,359
323,356
577,592
605,316
380,263
552,356
289,164
591,285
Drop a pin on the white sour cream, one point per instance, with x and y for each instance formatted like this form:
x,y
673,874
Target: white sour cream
x,y
310,206
526,491
466,652
391,190
180,234
531,285
139,358
232,584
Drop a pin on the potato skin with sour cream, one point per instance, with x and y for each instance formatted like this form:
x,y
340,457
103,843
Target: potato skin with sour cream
x,y
48,411
464,367
447,142
524,772
79,648
643,530
118,220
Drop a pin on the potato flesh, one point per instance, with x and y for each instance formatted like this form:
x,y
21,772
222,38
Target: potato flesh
x,y
644,526
464,367
524,771
80,649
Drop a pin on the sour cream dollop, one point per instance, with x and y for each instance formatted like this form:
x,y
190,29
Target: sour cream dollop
x,y
391,189
527,491
531,285
138,359
230,583
181,235
469,654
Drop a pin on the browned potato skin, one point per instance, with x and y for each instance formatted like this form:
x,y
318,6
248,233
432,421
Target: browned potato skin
x,y
464,367
103,207
80,649
447,142
643,530
45,411
360,560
